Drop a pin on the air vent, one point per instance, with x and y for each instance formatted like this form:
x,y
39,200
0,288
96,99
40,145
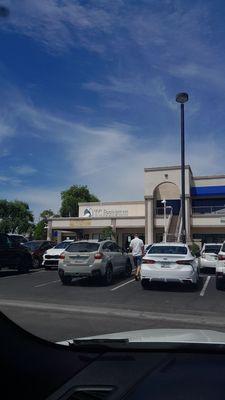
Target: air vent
x,y
89,393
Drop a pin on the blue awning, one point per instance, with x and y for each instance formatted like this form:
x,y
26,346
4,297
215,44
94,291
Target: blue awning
x,y
208,191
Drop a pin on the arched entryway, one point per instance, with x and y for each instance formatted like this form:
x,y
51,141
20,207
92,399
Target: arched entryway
x,y
170,192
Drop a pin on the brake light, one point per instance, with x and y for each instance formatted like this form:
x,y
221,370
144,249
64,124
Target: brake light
x,y
62,256
99,256
184,262
221,257
146,261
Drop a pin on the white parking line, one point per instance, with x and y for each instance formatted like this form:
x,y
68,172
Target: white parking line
x,y
123,284
205,286
47,283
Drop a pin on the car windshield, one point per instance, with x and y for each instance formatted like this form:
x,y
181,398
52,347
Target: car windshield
x,y
112,164
167,250
62,245
83,247
33,245
212,249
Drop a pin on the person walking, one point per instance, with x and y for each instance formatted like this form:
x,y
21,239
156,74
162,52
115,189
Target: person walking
x,y
137,247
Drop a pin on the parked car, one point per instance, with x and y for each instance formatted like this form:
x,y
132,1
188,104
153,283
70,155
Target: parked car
x,y
37,249
51,256
209,255
169,262
13,255
147,247
18,238
91,258
220,268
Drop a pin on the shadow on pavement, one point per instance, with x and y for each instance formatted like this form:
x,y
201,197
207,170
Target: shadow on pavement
x,y
208,271
13,272
96,282
175,287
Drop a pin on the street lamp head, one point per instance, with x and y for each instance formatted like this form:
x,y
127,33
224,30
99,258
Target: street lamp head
x,y
181,98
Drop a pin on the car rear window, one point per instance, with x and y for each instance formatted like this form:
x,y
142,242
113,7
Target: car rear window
x,y
62,245
167,250
83,247
223,247
33,245
212,249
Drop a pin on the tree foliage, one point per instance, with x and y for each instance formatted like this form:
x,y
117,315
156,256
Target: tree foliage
x,y
45,214
15,217
39,231
71,197
108,233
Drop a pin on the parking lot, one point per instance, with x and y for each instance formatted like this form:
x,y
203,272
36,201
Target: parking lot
x,y
39,302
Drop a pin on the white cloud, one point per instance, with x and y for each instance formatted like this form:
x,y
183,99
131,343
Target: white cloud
x,y
38,198
24,170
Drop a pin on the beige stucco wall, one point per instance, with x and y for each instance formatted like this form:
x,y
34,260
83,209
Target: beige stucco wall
x,y
209,221
209,181
114,209
154,177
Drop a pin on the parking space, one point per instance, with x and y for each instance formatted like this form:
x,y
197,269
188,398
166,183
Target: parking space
x,y
35,298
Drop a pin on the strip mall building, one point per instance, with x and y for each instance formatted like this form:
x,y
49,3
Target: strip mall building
x,y
205,211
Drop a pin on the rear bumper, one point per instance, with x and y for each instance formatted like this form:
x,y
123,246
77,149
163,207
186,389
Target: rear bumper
x,y
204,263
75,273
50,263
185,275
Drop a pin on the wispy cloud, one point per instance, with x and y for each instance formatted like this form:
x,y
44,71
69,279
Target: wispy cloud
x,y
24,170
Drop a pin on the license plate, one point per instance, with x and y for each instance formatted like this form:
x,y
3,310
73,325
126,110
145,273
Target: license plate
x,y
165,266
78,259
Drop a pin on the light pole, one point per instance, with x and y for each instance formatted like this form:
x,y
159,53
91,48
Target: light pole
x,y
164,204
182,98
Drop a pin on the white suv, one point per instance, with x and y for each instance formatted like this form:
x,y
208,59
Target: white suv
x,y
51,256
220,268
209,255
91,258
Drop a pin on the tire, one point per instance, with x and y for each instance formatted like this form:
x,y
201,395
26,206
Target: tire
x,y
108,277
25,265
195,286
219,284
36,263
66,280
128,269
145,284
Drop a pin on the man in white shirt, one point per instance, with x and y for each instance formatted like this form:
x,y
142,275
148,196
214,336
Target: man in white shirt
x,y
137,247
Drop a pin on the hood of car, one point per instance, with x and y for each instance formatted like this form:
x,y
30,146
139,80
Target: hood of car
x,y
55,252
198,336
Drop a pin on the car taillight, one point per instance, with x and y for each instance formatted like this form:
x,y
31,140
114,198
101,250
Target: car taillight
x,y
184,262
62,256
221,257
99,256
146,261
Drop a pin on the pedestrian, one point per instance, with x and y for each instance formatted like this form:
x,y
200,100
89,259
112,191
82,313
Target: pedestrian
x,y
137,247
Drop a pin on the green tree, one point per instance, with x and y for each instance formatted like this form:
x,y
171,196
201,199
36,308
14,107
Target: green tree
x,y
39,231
15,217
108,233
46,214
71,197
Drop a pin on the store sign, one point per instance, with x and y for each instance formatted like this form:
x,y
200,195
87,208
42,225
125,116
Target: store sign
x,y
104,212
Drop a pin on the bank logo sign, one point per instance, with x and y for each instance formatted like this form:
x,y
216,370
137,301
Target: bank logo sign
x,y
88,213
104,213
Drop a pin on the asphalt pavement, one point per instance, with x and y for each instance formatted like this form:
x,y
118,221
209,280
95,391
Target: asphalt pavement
x,y
39,302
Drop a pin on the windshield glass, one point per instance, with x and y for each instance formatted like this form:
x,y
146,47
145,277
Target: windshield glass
x,y
33,245
83,247
167,250
62,245
112,137
212,249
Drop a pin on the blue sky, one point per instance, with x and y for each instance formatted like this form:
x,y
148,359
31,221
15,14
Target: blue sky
x,y
88,94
